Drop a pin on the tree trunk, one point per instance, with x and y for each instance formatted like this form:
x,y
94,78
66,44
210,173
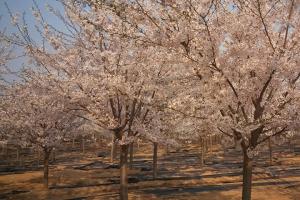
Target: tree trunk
x,y
20,162
7,149
235,143
38,157
291,145
155,160
18,154
202,153
210,145
113,150
247,177
215,141
131,155
123,173
73,143
47,153
3,149
83,145
54,155
204,145
270,152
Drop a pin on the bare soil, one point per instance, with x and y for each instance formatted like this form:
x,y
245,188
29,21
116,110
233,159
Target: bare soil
x,y
77,175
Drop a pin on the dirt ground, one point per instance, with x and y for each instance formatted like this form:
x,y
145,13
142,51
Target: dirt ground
x,y
90,175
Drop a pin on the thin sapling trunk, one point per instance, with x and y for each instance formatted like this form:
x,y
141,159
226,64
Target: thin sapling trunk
x,y
47,153
155,145
124,172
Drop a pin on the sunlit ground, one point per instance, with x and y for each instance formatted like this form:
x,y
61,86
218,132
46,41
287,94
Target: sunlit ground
x,y
77,175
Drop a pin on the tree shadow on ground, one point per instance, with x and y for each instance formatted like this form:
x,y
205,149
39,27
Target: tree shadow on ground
x,y
160,192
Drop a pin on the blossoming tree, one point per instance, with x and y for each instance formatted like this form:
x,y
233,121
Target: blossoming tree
x,y
37,116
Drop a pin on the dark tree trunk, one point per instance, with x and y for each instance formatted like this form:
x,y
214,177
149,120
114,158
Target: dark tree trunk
x,y
83,145
155,160
236,145
18,154
3,149
270,152
247,177
210,145
38,157
73,143
291,145
7,148
20,161
47,153
202,152
124,173
131,155
54,155
113,150
215,140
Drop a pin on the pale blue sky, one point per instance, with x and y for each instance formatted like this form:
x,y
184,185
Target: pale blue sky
x,y
20,6
25,6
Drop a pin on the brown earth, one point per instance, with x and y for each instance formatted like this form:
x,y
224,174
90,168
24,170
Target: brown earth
x,y
77,175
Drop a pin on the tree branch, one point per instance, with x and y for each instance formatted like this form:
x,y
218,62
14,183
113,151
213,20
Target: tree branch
x,y
277,133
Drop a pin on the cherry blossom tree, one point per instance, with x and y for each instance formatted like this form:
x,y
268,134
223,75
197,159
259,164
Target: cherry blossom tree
x,y
258,75
6,56
37,116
